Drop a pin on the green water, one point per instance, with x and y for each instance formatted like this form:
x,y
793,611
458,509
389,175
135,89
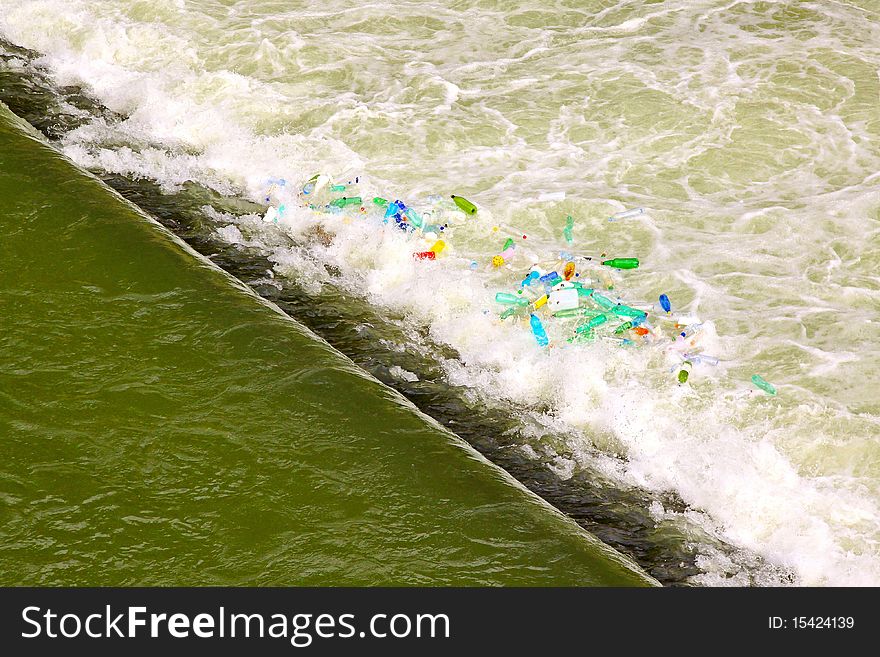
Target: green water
x,y
160,425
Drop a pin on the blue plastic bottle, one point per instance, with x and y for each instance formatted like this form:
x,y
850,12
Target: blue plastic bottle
x,y
538,330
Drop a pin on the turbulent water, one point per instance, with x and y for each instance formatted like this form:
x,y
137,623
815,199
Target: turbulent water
x,y
747,130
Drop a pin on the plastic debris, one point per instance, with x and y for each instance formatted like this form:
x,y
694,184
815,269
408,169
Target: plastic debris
x,y
566,232
626,214
466,206
622,263
346,201
567,298
698,359
507,299
596,321
538,330
684,371
530,277
759,381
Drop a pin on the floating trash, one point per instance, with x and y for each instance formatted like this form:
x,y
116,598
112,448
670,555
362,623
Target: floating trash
x,y
622,263
572,298
466,206
538,330
759,381
626,214
684,372
567,231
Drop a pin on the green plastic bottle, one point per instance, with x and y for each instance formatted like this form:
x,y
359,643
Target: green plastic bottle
x,y
622,263
507,298
684,372
380,201
566,232
344,201
466,206
510,312
759,381
626,311
603,301
626,326
508,244
575,312
598,320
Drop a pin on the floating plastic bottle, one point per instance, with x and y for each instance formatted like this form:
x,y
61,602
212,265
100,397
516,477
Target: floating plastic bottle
x,y
392,210
437,247
697,359
584,291
585,336
530,278
538,330
575,312
622,263
684,371
626,214
346,201
566,232
626,326
759,381
568,270
508,244
466,206
665,304
511,299
414,218
603,301
540,301
688,331
627,311
598,320
510,312
549,280
380,201
607,281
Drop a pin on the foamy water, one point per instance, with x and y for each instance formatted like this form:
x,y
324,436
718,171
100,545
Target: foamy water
x,y
748,131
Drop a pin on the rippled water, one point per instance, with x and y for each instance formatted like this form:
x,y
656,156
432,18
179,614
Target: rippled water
x,y
748,130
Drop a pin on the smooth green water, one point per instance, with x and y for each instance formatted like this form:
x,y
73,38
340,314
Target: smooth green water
x,y
159,424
